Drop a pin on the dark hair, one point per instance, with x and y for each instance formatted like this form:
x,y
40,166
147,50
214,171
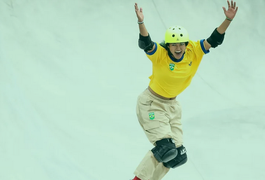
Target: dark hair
x,y
165,45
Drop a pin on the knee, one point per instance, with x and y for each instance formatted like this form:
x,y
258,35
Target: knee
x,y
165,150
179,160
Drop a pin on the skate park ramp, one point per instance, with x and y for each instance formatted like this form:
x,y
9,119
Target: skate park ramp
x,y
71,72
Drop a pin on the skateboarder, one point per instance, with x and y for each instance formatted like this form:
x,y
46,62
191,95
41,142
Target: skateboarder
x,y
174,62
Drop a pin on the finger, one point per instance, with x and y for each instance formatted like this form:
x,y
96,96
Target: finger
x,y
235,5
136,7
141,10
228,4
224,9
232,4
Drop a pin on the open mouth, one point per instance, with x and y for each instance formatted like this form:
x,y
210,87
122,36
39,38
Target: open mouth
x,y
178,52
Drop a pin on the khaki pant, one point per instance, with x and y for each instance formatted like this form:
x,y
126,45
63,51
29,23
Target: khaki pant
x,y
159,119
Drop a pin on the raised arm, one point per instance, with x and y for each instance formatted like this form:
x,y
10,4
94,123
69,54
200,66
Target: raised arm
x,y
145,41
217,36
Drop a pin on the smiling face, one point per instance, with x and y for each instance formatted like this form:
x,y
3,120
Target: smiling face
x,y
177,49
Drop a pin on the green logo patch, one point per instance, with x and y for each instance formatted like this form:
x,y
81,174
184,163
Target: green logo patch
x,y
171,66
152,115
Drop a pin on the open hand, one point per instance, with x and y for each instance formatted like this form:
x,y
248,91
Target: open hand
x,y
139,13
231,11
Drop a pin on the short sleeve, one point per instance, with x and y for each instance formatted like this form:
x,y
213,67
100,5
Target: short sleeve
x,y
156,54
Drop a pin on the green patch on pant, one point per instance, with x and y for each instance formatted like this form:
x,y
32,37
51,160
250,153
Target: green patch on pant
x,y
152,115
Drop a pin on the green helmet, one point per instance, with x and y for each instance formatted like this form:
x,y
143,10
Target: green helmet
x,y
176,34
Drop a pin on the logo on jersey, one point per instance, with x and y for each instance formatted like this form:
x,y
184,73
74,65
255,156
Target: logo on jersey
x,y
171,66
190,63
152,115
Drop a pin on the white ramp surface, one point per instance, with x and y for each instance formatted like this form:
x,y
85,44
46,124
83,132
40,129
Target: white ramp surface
x,y
71,71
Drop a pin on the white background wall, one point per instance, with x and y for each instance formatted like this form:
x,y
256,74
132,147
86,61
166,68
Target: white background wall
x,y
71,71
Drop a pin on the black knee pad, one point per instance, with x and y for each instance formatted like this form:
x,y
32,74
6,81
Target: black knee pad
x,y
179,160
165,150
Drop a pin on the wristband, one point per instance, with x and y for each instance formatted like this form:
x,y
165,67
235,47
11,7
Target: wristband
x,y
228,19
140,22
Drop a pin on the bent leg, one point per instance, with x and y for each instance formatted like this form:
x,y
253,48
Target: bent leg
x,y
175,123
146,168
159,172
152,117
165,150
179,160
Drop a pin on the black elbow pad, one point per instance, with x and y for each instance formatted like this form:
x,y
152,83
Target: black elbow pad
x,y
145,43
216,39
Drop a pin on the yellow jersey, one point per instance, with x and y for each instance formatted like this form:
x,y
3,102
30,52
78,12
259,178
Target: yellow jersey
x,y
171,76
